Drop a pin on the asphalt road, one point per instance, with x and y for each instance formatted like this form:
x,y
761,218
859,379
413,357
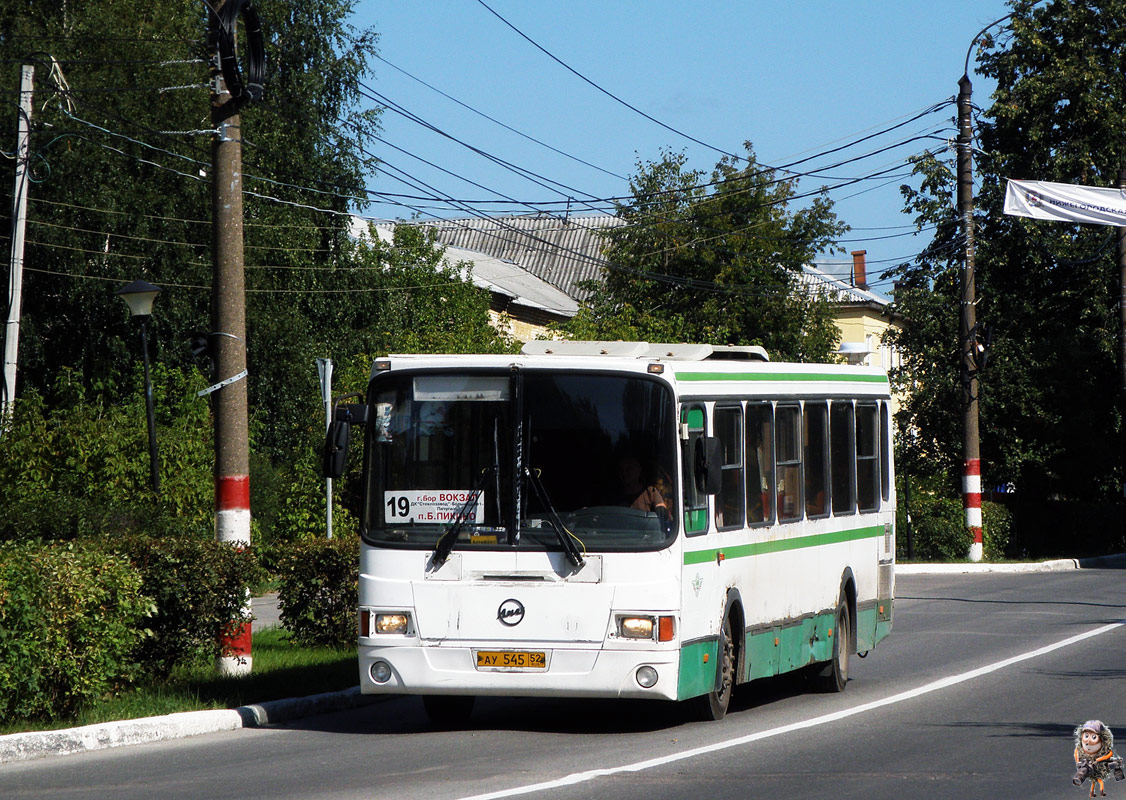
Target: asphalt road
x,y
975,694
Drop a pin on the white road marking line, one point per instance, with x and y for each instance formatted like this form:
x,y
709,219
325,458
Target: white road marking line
x,y
942,683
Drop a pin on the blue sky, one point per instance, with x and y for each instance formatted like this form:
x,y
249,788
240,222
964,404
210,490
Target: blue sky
x,y
794,78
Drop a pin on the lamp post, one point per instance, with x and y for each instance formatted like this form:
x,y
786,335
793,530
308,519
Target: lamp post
x,y
139,295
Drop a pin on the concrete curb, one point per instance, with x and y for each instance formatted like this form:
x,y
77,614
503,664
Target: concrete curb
x,y
1058,565
17,747
1117,561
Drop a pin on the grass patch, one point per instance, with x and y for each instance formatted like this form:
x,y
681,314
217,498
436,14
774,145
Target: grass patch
x,y
281,669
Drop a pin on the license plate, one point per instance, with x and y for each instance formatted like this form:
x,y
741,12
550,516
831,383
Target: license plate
x,y
511,659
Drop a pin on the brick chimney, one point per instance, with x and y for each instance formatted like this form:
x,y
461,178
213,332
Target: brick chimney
x,y
859,270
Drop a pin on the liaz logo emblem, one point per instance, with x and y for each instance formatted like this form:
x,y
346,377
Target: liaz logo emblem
x,y
510,613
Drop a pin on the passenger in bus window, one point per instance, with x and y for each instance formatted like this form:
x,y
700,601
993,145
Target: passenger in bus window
x,y
634,491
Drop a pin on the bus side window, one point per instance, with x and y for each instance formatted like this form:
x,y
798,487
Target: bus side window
x,y
787,446
842,457
816,420
867,457
695,502
760,463
885,451
728,428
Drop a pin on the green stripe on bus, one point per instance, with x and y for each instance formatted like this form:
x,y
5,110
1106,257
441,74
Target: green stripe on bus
x,y
780,545
782,378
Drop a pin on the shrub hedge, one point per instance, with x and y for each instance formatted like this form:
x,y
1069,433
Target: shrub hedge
x,y
938,529
319,590
197,587
71,620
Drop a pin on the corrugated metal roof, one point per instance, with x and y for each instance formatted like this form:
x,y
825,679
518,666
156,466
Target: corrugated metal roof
x,y
563,252
497,275
838,291
504,277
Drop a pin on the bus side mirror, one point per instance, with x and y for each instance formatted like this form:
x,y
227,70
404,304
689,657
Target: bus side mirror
x,y
709,460
336,440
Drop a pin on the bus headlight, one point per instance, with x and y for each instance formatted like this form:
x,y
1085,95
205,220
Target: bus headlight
x,y
373,623
392,623
635,627
661,629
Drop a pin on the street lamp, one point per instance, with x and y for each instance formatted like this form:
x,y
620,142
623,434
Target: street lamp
x,y
139,295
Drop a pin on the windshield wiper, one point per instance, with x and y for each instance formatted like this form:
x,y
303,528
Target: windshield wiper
x,y
566,538
449,536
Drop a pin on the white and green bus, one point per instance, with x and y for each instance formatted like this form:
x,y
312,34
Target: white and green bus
x,y
618,519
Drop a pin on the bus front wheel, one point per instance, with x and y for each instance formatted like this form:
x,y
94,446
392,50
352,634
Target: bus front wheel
x,y
714,704
833,675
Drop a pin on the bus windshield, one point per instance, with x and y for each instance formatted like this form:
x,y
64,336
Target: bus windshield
x,y
506,458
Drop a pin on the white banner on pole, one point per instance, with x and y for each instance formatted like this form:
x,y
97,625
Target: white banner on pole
x,y
1066,202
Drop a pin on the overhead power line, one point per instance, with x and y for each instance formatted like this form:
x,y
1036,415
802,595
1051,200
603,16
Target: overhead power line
x,y
501,124
607,92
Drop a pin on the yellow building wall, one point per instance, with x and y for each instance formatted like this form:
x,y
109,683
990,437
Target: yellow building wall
x,y
865,327
520,330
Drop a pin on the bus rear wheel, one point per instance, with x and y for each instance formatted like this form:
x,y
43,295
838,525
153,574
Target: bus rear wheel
x,y
448,711
833,675
714,704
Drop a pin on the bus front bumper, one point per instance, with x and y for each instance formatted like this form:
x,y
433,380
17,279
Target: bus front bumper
x,y
570,672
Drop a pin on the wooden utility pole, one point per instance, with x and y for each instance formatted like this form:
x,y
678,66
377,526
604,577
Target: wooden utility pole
x,y
971,449
228,341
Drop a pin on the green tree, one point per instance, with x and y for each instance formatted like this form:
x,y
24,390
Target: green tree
x,y
1046,291
714,260
121,159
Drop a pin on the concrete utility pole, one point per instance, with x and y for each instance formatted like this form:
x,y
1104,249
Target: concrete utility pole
x,y
228,324
15,270
971,449
1122,324
324,371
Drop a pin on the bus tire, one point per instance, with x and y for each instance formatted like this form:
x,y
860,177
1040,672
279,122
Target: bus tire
x,y
833,675
713,705
448,711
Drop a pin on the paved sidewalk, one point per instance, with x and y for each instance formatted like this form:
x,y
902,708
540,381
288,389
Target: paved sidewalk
x,y
25,746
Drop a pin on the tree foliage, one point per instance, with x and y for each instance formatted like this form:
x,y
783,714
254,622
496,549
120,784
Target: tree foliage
x,y
121,190
1047,292
714,260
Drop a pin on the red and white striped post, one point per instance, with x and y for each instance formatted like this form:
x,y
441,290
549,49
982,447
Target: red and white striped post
x,y
232,526
971,500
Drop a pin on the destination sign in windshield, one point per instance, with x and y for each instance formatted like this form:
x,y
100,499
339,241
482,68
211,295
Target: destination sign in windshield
x,y
433,506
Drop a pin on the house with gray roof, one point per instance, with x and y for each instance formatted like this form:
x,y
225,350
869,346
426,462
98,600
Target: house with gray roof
x,y
520,304
563,252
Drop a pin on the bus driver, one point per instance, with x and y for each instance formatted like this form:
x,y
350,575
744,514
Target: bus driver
x,y
633,491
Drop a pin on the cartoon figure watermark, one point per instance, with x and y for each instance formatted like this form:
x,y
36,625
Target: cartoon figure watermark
x,y
1094,756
